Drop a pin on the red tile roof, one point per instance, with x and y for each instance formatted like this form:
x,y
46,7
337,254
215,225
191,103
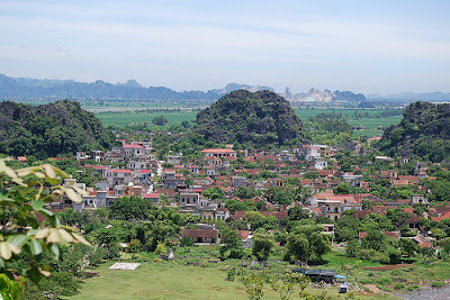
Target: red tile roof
x,y
218,151
120,171
133,146
200,233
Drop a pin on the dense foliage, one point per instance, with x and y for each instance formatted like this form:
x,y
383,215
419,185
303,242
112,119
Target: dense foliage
x,y
244,117
50,130
24,240
424,132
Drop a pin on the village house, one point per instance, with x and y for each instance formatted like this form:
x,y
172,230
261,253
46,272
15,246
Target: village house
x,y
320,164
330,209
174,159
133,149
353,180
202,236
219,153
312,153
119,176
419,200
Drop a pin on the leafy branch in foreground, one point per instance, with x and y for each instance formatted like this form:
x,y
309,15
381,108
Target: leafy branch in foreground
x,y
23,194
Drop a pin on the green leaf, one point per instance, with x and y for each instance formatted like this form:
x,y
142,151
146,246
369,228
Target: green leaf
x,y
80,239
5,250
37,205
55,250
36,247
50,171
74,196
19,240
45,212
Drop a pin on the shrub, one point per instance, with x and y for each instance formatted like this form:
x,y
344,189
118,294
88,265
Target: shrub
x,y
160,249
135,246
186,241
437,284
384,281
399,286
413,287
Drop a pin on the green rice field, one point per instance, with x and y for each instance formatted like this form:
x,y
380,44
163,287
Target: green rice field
x,y
124,118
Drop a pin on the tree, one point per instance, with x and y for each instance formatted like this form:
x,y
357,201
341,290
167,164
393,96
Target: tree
x,y
374,240
297,246
346,167
22,195
262,245
407,246
286,286
297,213
233,247
307,243
185,124
130,208
343,188
160,121
254,286
60,284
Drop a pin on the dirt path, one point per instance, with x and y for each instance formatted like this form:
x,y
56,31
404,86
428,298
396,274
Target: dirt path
x,y
373,288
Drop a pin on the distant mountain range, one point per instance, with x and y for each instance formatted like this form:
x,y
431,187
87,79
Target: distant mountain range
x,y
409,96
28,88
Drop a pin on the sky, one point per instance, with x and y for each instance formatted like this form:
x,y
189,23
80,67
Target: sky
x,y
364,46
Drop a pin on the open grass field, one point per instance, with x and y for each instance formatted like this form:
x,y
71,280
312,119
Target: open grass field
x,y
156,279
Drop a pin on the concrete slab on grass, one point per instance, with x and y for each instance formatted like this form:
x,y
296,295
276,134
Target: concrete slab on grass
x,y
124,266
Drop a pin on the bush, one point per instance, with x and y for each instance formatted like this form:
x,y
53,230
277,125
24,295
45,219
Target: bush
x,y
399,286
161,249
413,287
373,255
186,241
384,281
437,284
135,246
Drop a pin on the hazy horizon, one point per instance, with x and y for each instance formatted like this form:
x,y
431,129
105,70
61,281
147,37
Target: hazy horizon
x,y
377,47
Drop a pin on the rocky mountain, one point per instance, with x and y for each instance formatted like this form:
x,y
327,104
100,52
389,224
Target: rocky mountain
x,y
423,132
259,119
315,95
236,86
50,129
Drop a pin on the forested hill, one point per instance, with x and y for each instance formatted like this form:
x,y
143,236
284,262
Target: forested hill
x,y
424,132
49,130
259,119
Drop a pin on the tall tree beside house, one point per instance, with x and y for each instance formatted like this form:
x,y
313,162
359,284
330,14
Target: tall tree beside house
x,y
262,245
307,243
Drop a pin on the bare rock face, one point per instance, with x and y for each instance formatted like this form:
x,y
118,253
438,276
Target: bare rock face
x,y
244,117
